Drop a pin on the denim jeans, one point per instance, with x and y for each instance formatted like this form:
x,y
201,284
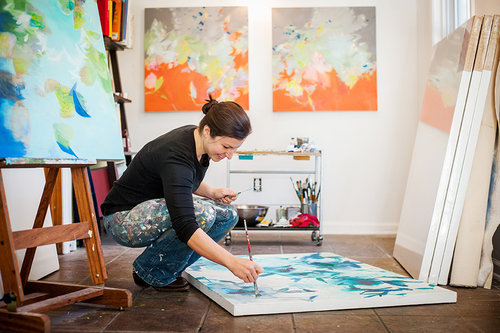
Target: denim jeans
x,y
149,224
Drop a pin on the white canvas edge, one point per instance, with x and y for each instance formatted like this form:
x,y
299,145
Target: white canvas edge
x,y
454,178
432,235
440,296
464,178
467,253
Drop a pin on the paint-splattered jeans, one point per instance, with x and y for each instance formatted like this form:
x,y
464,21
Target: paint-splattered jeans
x,y
166,257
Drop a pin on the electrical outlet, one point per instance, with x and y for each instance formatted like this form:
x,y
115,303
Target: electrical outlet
x,y
257,184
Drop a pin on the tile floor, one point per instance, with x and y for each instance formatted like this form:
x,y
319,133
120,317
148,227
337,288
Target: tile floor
x,y
477,310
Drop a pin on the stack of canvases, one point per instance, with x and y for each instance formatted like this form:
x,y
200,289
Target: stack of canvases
x,y
452,202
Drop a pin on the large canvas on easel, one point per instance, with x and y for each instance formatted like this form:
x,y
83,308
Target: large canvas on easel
x,y
434,149
56,100
304,282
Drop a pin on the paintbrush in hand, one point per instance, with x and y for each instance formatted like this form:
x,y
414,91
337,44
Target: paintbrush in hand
x,y
255,288
248,189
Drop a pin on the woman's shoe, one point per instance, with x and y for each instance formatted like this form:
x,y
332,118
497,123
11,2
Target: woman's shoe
x,y
179,284
138,281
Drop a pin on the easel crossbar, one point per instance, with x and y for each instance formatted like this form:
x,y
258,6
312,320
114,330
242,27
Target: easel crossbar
x,y
63,300
24,239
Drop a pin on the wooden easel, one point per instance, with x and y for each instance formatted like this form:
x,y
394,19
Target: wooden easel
x,y
32,297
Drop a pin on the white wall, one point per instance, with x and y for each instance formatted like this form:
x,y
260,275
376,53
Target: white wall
x,y
23,191
366,154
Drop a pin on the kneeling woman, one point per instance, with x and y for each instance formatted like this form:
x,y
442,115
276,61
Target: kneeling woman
x,y
152,203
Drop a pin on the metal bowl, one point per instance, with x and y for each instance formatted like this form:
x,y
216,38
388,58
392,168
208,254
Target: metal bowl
x,y
253,214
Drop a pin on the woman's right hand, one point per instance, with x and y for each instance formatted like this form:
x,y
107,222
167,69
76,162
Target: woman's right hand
x,y
245,269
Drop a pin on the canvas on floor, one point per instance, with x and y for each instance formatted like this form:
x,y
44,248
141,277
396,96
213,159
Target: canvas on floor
x,y
311,282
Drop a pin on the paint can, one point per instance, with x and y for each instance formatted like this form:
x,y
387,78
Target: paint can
x,y
292,212
280,213
309,208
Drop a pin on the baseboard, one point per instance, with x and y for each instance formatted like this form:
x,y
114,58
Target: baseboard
x,y
359,228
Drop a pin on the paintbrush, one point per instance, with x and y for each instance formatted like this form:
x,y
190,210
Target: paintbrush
x,y
255,288
248,189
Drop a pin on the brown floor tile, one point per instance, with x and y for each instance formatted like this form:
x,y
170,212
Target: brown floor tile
x,y
435,323
71,272
81,317
389,264
150,299
386,243
485,325
479,308
219,320
157,320
355,246
419,310
332,322
162,312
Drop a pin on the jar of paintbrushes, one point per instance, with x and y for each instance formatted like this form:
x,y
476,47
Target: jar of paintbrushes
x,y
308,193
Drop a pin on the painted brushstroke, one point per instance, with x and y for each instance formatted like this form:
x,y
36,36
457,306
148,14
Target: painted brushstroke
x,y
442,85
324,59
296,280
56,100
193,52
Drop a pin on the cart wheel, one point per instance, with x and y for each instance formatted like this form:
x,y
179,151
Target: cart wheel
x,y
319,240
313,236
227,239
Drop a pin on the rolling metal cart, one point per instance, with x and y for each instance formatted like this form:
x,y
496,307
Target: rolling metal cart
x,y
316,173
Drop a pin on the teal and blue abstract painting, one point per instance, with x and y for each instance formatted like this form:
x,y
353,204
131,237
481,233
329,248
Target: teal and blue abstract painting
x,y
56,100
311,282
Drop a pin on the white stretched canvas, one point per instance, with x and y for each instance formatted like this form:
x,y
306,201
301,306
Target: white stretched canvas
x,y
434,149
311,282
462,163
466,257
484,65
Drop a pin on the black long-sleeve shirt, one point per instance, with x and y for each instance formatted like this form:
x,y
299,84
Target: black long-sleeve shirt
x,y
166,167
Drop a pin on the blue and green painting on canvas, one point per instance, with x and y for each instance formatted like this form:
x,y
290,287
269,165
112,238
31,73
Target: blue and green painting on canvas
x,y
311,282
56,100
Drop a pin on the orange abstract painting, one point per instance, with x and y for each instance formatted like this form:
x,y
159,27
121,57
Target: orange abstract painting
x,y
443,82
324,59
193,52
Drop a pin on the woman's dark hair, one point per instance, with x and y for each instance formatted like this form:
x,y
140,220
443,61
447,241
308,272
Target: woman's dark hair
x,y
225,119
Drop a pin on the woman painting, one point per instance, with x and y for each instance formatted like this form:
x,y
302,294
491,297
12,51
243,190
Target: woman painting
x,y
152,203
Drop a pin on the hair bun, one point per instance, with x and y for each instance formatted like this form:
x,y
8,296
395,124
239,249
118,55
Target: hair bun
x,y
207,106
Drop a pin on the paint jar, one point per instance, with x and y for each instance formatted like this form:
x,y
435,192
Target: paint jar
x,y
292,212
280,213
309,208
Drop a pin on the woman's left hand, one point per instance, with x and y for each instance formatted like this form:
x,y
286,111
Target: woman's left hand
x,y
225,195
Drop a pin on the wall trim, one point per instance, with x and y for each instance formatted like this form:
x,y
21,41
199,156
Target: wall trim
x,y
359,228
